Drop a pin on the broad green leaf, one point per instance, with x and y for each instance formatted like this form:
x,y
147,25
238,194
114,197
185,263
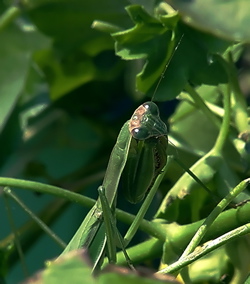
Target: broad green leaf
x,y
210,267
153,38
66,72
237,252
205,169
72,268
15,60
64,76
227,19
69,22
203,133
192,62
18,43
121,275
73,61
149,39
226,179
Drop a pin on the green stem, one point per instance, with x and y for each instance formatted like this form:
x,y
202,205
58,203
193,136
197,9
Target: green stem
x,y
16,238
201,105
8,16
206,248
152,229
29,233
42,225
105,27
213,215
239,105
221,139
177,237
149,249
215,197
47,189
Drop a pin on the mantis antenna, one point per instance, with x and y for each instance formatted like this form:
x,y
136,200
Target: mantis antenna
x,y
166,67
164,133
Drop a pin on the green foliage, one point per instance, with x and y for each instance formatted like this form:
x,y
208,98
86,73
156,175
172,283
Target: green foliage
x,y
224,19
75,266
154,39
69,70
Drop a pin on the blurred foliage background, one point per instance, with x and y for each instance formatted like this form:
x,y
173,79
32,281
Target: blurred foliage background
x,y
64,95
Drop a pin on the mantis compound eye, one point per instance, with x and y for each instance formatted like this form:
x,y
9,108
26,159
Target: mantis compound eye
x,y
146,122
141,133
152,108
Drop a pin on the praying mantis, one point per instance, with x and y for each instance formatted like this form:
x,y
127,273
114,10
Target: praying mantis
x,y
140,150
138,160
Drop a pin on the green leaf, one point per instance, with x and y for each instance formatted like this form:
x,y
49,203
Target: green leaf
x,y
237,252
210,267
192,62
69,22
227,19
149,39
72,268
73,60
121,275
15,56
153,38
64,76
205,169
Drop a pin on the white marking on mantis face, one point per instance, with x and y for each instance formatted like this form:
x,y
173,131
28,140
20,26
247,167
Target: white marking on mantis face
x,y
135,121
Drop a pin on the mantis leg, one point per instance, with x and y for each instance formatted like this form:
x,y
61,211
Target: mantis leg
x,y
112,233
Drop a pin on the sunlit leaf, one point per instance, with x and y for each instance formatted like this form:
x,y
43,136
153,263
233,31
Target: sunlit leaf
x,y
228,19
